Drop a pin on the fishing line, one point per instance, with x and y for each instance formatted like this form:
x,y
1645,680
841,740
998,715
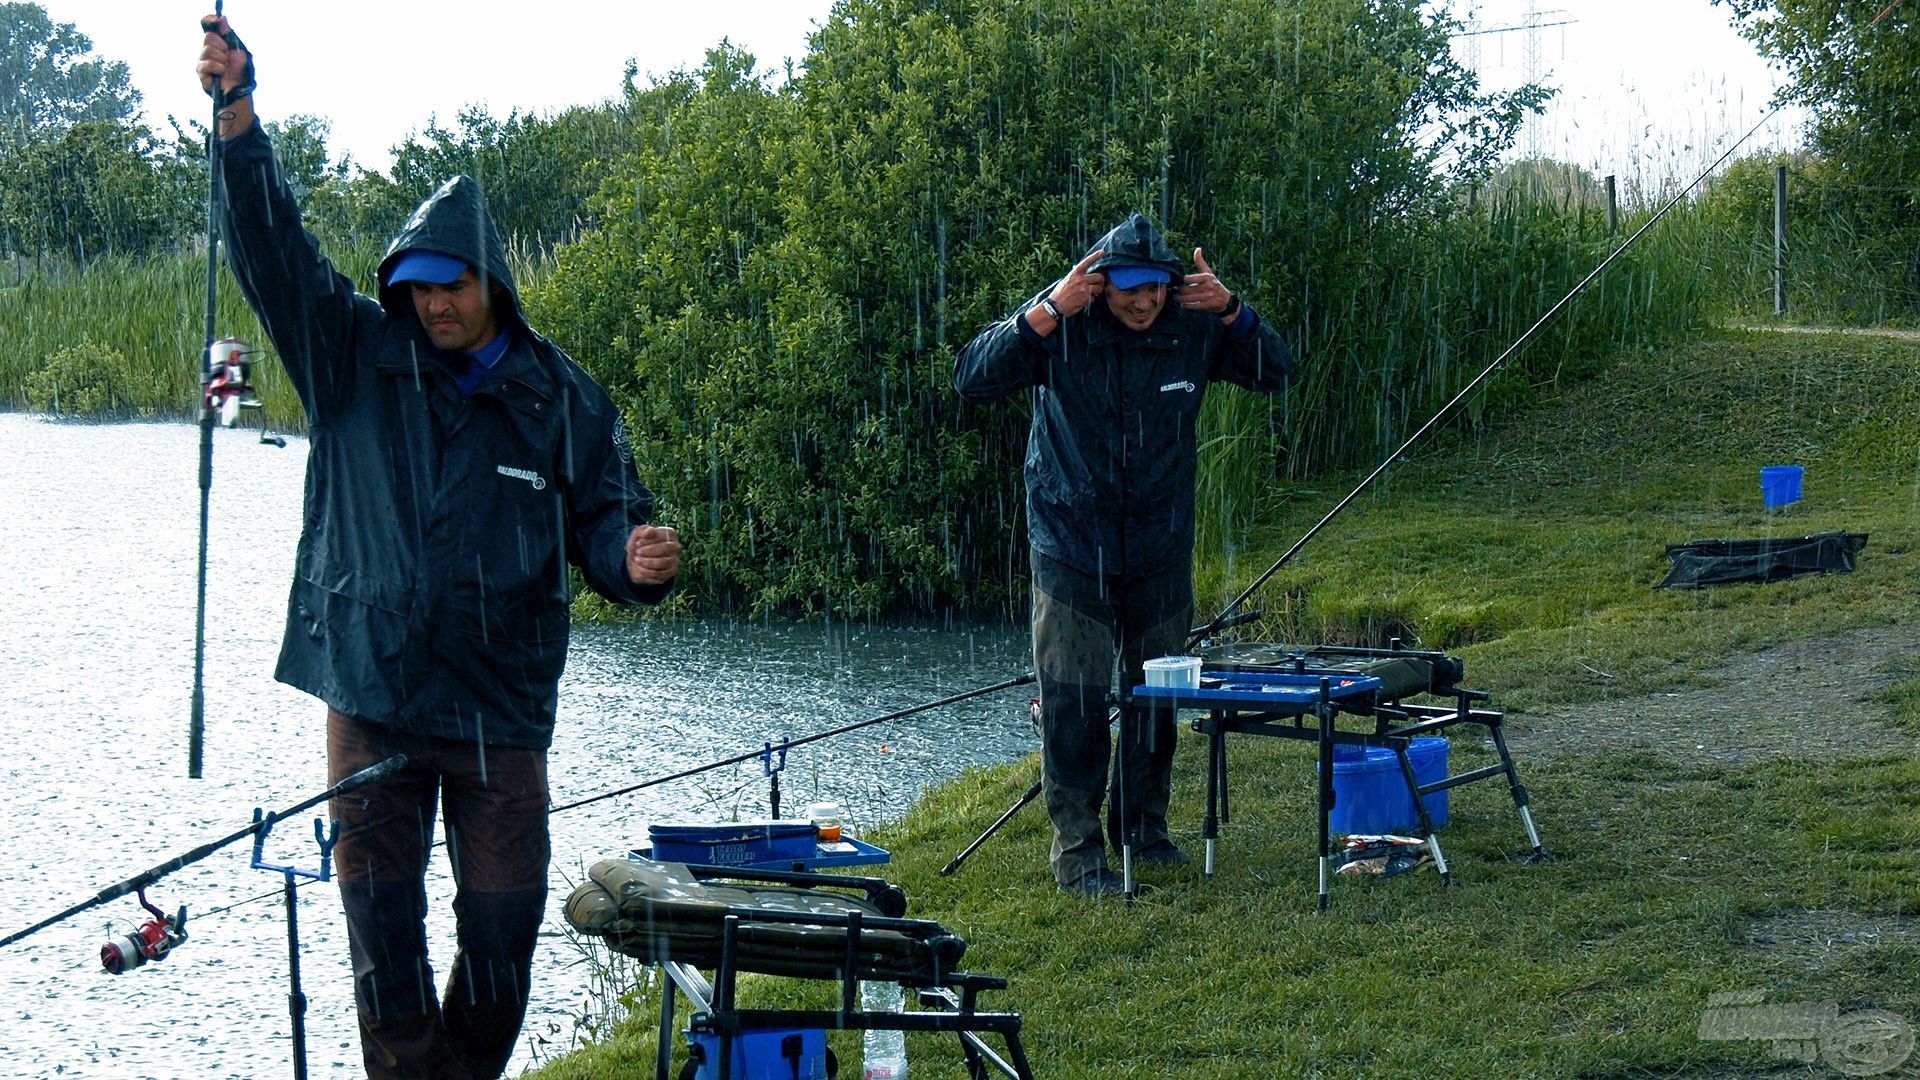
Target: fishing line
x,y
739,759
1522,340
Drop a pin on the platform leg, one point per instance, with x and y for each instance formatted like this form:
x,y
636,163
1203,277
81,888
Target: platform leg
x,y
1210,828
1533,835
1120,798
1226,782
663,1057
1439,859
1518,790
1325,787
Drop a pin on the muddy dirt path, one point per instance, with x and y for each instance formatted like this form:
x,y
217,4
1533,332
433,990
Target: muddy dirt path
x,y
1809,698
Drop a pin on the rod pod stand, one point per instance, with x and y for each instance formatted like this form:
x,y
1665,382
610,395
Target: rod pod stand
x,y
773,761
296,1000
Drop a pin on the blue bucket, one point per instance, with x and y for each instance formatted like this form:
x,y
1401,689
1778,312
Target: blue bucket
x,y
1370,796
1780,485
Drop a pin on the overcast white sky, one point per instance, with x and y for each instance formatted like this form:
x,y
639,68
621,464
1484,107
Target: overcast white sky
x,y
1648,85
326,57
1649,88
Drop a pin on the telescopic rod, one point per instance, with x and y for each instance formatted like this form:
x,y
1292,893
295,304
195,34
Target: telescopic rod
x,y
196,726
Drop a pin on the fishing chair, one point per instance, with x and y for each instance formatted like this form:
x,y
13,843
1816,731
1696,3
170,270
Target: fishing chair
x,y
689,918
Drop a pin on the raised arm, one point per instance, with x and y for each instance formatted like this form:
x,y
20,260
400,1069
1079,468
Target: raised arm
x,y
311,312
1251,353
1011,354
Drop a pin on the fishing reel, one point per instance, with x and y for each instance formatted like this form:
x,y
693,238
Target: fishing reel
x,y
152,941
229,385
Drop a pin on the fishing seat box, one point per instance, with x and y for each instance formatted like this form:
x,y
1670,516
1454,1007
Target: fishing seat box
x,y
733,843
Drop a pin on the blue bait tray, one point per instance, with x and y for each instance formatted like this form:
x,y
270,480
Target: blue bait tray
x,y
1259,689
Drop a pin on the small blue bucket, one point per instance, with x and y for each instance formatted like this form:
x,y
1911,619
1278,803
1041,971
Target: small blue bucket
x,y
1780,485
1371,797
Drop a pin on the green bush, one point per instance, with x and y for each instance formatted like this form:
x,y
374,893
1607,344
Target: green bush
x,y
88,379
783,277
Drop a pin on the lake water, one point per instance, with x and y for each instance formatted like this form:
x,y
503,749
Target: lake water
x,y
98,540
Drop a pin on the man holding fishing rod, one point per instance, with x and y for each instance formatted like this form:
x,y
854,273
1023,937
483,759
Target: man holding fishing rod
x,y
459,461
1119,354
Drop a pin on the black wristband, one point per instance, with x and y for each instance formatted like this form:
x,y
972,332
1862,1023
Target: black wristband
x,y
1233,308
247,82
1053,309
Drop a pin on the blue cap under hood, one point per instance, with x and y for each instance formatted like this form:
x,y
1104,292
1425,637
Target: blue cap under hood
x,y
453,221
1137,242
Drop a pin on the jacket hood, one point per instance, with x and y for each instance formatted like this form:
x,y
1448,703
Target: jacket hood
x,y
452,221
1137,242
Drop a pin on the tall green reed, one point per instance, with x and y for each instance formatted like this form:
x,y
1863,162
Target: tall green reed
x,y
153,313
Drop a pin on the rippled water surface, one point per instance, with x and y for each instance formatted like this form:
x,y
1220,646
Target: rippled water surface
x,y
98,536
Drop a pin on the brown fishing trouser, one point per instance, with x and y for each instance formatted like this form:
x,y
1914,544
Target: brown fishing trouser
x,y
1080,622
495,801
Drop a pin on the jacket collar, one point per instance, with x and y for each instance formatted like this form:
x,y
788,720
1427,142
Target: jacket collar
x,y
1104,329
525,361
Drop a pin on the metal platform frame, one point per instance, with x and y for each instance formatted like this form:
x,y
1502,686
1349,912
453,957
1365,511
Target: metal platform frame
x,y
1396,724
948,1000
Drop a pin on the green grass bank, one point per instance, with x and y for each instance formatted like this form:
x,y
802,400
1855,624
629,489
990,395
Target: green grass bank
x,y
1691,860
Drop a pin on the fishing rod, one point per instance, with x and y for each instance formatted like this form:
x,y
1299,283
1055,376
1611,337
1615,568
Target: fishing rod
x,y
196,726
147,877
226,386
1521,341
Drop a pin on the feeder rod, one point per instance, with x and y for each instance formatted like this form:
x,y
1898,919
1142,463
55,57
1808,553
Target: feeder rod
x,y
149,876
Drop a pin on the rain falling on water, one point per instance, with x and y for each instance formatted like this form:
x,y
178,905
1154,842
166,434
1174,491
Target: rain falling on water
x,y
95,662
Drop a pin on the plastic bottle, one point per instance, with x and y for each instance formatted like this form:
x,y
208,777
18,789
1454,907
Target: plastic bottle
x,y
883,1053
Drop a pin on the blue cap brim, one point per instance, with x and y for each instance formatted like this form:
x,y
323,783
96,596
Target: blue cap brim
x,y
428,266
1132,277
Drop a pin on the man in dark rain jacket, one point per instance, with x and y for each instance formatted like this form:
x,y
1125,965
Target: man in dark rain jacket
x,y
458,462
1118,374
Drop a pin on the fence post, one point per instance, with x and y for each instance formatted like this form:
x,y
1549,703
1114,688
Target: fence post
x,y
1613,206
1780,240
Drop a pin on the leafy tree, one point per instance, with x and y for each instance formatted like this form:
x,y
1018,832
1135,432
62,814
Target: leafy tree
x,y
667,304
783,275
956,156
100,187
300,143
538,172
49,78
